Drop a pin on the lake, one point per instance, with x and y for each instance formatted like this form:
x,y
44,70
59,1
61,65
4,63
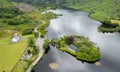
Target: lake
x,y
79,23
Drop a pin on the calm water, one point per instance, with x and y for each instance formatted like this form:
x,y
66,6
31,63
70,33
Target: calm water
x,y
78,23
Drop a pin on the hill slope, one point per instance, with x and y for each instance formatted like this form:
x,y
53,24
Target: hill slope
x,y
110,8
105,11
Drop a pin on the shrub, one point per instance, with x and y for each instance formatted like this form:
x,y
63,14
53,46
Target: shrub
x,y
69,40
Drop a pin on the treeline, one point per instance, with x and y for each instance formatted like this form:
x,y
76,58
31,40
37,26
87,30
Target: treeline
x,y
46,3
9,12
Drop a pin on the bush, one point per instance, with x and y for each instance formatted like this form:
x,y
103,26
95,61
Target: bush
x,y
35,51
27,31
46,44
31,43
20,20
28,52
36,34
9,12
69,40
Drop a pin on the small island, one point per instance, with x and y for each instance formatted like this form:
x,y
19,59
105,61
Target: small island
x,y
83,50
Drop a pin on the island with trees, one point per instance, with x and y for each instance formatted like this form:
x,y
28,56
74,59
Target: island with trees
x,y
85,51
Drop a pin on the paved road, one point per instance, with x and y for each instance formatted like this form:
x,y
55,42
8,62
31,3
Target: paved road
x,y
39,43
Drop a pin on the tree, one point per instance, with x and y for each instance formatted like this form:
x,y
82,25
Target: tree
x,y
36,34
31,42
69,40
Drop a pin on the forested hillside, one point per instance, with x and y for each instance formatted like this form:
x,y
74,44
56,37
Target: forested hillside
x,y
105,11
109,8
21,18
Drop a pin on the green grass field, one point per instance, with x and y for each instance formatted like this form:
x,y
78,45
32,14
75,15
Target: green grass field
x,y
116,21
10,53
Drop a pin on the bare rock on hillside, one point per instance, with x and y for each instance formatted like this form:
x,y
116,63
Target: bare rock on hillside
x,y
25,7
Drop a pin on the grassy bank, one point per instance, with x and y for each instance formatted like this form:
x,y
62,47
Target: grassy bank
x,y
46,21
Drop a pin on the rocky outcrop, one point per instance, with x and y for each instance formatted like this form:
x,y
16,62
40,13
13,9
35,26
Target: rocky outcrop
x,y
25,7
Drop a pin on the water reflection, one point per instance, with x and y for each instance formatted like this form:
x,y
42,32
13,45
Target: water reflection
x,y
78,22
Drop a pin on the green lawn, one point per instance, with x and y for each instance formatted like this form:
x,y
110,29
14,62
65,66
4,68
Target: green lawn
x,y
116,21
10,53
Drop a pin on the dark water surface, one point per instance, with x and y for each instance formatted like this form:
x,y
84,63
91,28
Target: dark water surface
x,y
78,23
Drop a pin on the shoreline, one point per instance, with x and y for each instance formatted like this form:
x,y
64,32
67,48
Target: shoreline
x,y
40,55
100,28
39,44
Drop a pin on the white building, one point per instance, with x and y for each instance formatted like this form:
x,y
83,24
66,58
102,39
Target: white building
x,y
16,38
